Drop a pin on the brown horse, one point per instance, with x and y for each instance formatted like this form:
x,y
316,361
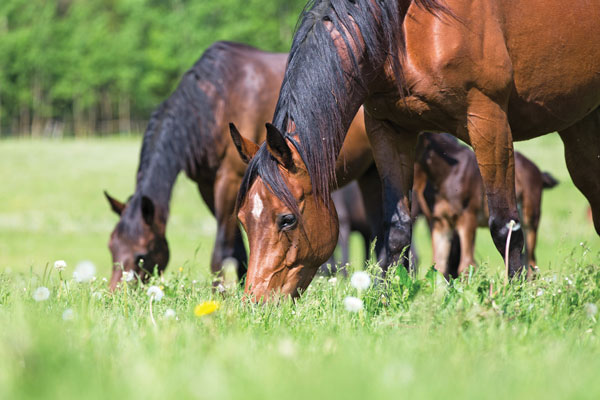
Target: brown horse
x,y
190,132
456,205
477,69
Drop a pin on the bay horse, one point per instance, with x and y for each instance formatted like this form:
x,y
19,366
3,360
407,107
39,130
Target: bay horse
x,y
487,72
189,132
449,191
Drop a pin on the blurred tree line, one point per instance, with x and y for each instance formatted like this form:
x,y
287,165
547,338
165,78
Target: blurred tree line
x,y
87,67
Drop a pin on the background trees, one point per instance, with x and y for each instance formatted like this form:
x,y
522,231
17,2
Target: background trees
x,y
83,67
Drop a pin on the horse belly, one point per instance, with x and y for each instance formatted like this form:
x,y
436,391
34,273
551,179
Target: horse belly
x,y
554,47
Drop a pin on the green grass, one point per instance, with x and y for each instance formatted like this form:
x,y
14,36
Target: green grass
x,y
414,339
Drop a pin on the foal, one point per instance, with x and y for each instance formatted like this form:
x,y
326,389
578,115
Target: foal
x,y
450,193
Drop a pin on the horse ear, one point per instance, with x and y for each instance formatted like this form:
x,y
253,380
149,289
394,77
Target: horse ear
x,y
278,147
246,147
115,204
147,210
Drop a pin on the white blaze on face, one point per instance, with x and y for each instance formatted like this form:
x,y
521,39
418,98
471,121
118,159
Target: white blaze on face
x,y
257,206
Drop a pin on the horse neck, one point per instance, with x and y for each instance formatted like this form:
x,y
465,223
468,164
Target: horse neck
x,y
438,170
158,187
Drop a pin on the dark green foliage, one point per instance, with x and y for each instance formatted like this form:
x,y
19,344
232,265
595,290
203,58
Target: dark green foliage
x,y
88,66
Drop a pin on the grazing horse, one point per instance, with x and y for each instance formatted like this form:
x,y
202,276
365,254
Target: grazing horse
x,y
190,132
455,203
487,72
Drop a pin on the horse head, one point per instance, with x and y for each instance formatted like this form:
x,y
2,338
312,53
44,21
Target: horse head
x,y
290,230
138,242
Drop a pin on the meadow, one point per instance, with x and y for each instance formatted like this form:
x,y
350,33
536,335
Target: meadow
x,y
415,338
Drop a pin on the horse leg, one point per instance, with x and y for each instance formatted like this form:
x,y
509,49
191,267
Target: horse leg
x,y
441,241
491,138
344,243
370,189
394,154
530,212
466,227
453,262
228,242
582,153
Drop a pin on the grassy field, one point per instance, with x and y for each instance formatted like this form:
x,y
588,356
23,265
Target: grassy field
x,y
415,338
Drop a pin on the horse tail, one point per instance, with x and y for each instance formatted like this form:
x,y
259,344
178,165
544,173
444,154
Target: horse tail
x,y
548,181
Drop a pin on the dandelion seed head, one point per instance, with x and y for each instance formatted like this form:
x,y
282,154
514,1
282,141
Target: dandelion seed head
x,y
68,314
60,265
170,313
591,310
84,272
353,304
333,280
155,293
286,348
360,280
128,275
41,294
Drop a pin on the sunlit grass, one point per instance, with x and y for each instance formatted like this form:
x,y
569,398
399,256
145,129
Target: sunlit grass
x,y
413,338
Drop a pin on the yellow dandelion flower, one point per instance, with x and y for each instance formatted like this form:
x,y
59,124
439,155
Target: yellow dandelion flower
x,y
180,269
205,308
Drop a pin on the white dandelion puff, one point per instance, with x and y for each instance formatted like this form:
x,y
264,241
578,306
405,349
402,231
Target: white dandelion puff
x,y
170,313
513,225
287,348
360,280
591,310
60,265
333,280
128,275
353,304
155,293
84,272
41,294
68,314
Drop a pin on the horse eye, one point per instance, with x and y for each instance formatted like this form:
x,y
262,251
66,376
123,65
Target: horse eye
x,y
286,221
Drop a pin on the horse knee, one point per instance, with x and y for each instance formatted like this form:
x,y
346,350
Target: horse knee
x,y
399,238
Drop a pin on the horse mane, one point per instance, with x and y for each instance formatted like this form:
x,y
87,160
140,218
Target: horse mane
x,y
181,131
319,94
180,134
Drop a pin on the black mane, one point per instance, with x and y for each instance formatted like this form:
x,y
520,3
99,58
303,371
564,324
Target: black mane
x,y
321,95
180,135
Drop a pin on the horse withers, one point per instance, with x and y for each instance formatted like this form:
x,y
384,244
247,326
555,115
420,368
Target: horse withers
x,y
475,69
